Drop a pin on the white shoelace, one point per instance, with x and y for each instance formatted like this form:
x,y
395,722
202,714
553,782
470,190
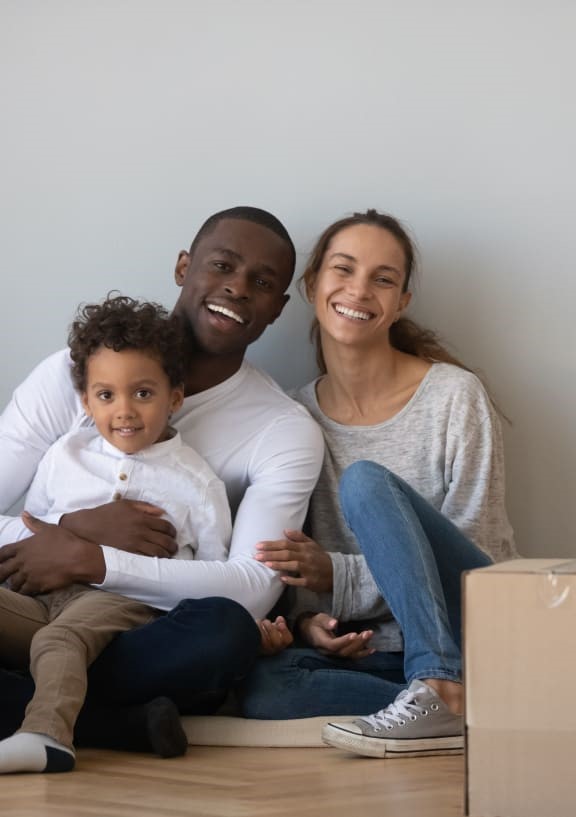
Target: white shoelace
x,y
399,711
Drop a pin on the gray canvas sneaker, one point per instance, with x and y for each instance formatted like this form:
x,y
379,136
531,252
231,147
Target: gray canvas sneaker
x,y
417,723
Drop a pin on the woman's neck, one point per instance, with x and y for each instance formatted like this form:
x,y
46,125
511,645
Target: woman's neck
x,y
365,387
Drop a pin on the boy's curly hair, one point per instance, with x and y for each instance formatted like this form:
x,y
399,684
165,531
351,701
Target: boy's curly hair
x,y
123,323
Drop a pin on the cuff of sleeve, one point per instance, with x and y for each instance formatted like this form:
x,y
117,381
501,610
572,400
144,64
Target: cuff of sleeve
x,y
339,584
52,518
111,561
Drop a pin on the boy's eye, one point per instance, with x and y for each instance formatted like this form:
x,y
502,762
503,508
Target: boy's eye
x,y
143,394
104,395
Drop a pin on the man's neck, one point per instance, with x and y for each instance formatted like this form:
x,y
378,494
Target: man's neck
x,y
206,371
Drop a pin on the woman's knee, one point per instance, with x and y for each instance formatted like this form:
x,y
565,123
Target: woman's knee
x,y
362,480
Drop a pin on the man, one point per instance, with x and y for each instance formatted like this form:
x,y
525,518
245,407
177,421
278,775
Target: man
x,y
264,447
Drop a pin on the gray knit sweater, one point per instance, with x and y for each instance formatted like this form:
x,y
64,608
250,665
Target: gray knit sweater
x,y
446,443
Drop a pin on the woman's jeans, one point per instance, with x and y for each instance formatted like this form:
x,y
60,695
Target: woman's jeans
x,y
194,654
416,557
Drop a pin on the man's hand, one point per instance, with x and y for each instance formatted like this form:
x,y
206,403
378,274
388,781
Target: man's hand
x,y
299,555
125,524
275,635
320,631
50,559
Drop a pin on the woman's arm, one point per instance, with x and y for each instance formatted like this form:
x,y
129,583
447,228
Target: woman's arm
x,y
475,497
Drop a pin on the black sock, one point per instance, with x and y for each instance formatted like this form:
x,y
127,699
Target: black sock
x,y
153,727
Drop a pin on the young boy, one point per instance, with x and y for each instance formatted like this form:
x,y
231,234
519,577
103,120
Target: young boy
x,y
127,367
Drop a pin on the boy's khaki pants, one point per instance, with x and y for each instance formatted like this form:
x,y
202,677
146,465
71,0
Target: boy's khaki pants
x,y
58,635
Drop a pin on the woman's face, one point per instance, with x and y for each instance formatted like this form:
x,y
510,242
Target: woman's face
x,y
358,293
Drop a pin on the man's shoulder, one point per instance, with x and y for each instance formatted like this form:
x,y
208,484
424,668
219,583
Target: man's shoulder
x,y
257,395
56,364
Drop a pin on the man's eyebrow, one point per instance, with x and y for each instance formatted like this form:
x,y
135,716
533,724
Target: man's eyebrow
x,y
265,268
226,251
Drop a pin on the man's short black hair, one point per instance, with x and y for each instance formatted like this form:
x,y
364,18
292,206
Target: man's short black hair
x,y
254,214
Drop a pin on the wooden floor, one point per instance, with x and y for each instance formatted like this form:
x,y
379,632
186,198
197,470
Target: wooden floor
x,y
225,782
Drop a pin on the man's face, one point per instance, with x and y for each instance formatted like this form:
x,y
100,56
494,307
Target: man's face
x,y
233,285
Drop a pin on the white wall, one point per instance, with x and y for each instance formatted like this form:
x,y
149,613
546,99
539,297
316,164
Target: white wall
x,y
126,123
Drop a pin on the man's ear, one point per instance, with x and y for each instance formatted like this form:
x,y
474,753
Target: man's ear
x,y
181,267
285,299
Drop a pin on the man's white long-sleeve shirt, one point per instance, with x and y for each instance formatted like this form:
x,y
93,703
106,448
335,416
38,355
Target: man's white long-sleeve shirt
x,y
266,448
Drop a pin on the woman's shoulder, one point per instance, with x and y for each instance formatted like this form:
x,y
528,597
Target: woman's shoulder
x,y
453,378
460,393
306,395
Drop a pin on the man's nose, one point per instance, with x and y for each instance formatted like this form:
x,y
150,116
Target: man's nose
x,y
237,285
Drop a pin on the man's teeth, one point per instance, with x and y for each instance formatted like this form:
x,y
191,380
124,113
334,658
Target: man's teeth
x,y
352,313
226,312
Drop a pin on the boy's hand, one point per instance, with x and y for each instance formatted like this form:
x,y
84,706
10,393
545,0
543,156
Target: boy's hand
x,y
275,635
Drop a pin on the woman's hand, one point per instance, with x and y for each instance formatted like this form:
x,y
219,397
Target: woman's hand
x,y
275,635
301,556
320,631
125,524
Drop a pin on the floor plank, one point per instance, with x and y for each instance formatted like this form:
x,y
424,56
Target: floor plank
x,y
231,782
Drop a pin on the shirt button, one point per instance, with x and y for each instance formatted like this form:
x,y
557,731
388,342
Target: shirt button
x,y
117,495
122,476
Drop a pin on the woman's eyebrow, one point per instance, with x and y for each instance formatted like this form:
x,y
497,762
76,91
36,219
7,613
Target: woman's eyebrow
x,y
386,267
343,255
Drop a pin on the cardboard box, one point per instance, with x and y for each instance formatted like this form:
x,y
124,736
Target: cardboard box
x,y
520,676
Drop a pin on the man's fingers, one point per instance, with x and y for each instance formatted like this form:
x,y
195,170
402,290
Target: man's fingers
x,y
8,552
33,524
161,544
147,507
162,526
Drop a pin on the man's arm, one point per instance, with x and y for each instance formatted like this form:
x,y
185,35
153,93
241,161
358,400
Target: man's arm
x,y
42,409
284,472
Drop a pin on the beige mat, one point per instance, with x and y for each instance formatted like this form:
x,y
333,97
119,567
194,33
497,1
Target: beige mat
x,y
225,730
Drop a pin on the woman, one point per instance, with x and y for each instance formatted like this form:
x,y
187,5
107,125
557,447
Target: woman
x,y
411,494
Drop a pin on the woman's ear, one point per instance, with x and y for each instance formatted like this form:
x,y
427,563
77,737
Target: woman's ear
x,y
310,289
405,299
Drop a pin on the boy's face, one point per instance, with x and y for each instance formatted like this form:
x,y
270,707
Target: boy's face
x,y
129,396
